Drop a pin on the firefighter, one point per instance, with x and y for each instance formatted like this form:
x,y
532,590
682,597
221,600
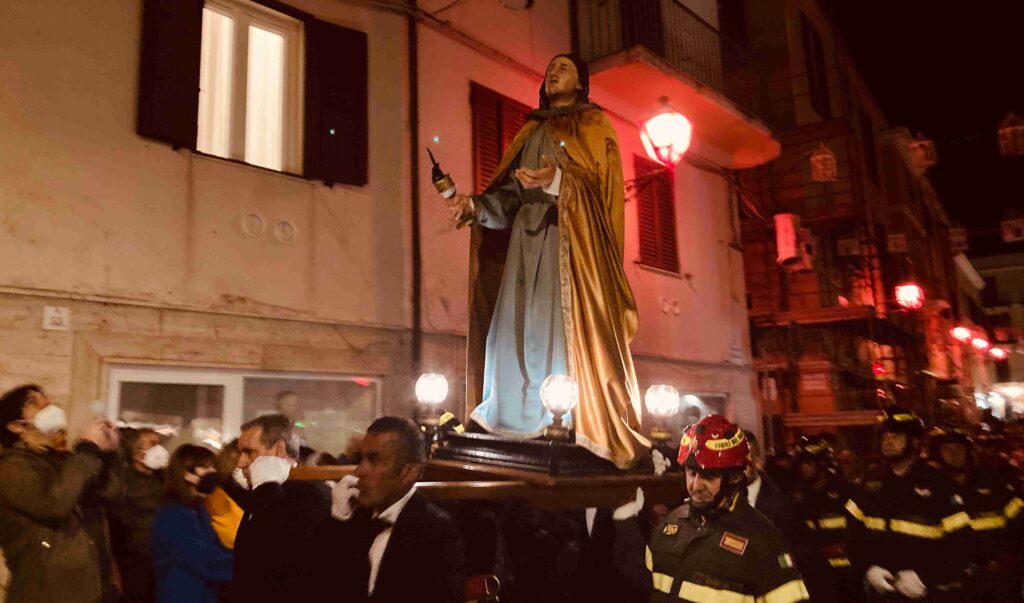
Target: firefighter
x,y
715,547
995,511
820,540
908,526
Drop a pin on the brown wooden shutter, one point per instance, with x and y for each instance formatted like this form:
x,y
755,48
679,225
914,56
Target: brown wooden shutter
x,y
656,216
496,121
336,140
168,103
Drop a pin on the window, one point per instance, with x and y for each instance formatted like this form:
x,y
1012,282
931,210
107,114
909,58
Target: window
x,y
496,121
208,407
278,88
867,138
656,216
249,91
816,69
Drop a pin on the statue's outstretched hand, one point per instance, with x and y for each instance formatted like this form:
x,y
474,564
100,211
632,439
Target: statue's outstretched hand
x,y
539,178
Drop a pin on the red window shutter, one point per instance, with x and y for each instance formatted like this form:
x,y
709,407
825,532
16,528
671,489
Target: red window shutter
x,y
496,121
656,216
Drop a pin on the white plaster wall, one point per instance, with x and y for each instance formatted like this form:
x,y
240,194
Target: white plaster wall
x,y
89,207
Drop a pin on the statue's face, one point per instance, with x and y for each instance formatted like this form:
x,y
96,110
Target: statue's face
x,y
561,79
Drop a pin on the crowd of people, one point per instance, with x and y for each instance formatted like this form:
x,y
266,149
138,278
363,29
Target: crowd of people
x,y
111,515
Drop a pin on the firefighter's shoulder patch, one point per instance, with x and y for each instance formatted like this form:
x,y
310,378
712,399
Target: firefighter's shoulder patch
x,y
733,543
670,529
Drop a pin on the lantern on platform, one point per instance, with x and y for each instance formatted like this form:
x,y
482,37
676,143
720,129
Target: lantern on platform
x,y
910,296
559,394
431,392
1011,135
922,152
662,402
666,134
961,334
823,165
999,354
980,343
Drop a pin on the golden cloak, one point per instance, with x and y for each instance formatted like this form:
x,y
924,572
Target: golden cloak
x,y
598,309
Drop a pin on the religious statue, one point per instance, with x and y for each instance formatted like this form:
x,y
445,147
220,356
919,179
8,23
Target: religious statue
x,y
549,294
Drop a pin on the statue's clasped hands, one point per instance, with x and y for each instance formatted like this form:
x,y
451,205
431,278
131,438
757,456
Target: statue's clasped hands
x,y
539,178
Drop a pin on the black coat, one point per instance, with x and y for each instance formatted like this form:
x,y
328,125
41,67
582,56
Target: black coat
x,y
273,539
424,560
776,505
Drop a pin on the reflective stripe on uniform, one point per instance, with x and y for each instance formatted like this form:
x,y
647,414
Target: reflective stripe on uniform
x,y
790,592
662,582
810,524
956,521
649,559
839,562
872,523
832,523
993,522
706,594
916,529
1013,508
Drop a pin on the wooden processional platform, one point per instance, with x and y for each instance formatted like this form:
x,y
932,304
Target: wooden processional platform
x,y
540,473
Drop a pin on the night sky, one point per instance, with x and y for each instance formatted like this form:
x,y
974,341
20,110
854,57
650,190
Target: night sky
x,y
951,74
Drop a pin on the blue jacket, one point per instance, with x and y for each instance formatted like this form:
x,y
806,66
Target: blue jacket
x,y
188,559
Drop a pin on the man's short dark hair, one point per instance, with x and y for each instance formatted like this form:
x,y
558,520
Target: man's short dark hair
x,y
755,446
410,438
272,429
12,405
281,395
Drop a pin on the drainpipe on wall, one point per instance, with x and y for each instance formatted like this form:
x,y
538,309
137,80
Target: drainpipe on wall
x,y
414,175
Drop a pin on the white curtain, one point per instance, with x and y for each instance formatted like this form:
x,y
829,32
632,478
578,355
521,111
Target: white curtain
x,y
215,69
264,106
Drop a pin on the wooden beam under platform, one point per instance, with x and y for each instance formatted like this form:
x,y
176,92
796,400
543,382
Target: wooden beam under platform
x,y
445,480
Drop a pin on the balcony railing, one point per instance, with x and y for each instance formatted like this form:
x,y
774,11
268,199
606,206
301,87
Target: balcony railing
x,y
670,30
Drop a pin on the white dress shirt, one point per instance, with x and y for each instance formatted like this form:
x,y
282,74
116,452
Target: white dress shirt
x,y
380,544
753,490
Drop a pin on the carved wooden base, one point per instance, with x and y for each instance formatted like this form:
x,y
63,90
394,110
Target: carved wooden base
x,y
548,456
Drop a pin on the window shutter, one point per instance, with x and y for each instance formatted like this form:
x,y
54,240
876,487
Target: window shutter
x,y
336,132
496,121
172,32
656,217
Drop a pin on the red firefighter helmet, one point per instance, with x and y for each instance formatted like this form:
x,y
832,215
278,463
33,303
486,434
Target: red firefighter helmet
x,y
714,443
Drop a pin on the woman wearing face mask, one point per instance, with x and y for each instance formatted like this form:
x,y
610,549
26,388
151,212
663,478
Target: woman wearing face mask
x,y
131,518
45,492
190,562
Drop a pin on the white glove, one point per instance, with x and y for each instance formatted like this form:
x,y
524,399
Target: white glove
x,y
661,464
239,476
269,469
880,580
909,585
630,509
342,495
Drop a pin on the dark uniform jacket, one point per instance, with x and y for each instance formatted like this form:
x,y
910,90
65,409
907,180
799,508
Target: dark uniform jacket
x,y
776,505
50,555
997,528
424,560
738,556
911,522
273,538
820,541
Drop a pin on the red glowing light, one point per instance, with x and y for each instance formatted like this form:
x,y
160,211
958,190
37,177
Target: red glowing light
x,y
910,296
878,369
998,353
961,334
980,343
666,135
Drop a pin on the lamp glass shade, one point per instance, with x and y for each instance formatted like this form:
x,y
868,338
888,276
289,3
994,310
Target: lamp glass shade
x,y
662,400
559,394
666,135
961,334
910,296
980,343
998,353
431,388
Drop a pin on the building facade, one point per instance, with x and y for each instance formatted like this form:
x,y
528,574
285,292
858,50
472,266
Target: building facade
x,y
189,260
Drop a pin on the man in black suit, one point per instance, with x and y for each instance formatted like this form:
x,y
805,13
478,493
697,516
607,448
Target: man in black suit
x,y
392,544
279,515
765,495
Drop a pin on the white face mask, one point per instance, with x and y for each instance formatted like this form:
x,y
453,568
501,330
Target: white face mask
x,y
156,458
50,420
